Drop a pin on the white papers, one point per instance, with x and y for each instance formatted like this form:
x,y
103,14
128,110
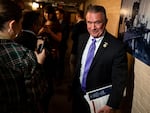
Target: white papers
x,y
98,98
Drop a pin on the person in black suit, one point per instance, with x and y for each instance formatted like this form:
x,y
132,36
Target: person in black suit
x,y
64,24
109,65
78,28
30,27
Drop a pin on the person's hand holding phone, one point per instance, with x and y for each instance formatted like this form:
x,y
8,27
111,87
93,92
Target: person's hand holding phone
x,y
40,45
40,48
40,52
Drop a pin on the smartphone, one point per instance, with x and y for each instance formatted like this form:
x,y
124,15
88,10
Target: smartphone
x,y
40,48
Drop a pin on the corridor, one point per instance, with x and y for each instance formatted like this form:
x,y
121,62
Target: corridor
x,y
61,101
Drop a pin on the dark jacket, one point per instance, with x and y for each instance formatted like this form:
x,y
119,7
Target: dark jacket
x,y
109,66
27,39
78,29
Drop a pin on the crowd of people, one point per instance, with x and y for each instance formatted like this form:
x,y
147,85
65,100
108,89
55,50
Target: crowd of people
x,y
33,46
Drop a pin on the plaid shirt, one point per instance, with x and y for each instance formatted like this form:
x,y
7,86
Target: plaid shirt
x,y
21,80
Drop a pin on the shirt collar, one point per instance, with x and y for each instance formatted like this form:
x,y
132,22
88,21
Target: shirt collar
x,y
60,21
29,31
97,39
80,20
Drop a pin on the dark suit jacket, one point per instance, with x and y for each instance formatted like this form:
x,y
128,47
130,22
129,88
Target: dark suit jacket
x,y
65,34
27,39
108,67
78,29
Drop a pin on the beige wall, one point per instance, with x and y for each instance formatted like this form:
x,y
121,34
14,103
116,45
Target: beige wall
x,y
113,13
141,97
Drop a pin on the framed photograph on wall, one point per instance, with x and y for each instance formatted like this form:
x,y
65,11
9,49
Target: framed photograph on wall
x,y
134,28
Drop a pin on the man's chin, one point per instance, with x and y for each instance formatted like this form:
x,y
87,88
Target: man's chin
x,y
96,36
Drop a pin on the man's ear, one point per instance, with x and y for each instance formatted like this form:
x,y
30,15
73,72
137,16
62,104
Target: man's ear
x,y
11,25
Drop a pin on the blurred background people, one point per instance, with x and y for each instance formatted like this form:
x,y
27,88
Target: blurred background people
x,y
21,78
51,26
20,3
60,14
30,27
51,31
28,38
78,29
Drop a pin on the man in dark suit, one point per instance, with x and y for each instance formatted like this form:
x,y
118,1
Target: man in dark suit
x,y
109,65
78,28
30,27
64,24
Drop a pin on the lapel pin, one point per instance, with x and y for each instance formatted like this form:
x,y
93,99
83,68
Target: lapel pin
x,y
105,44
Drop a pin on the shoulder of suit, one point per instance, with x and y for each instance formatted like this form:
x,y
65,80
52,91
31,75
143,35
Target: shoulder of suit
x,y
85,35
113,39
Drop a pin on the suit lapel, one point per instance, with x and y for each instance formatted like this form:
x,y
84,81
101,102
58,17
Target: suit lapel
x,y
101,50
82,46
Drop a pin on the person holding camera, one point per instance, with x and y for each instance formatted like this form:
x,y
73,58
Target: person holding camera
x,y
21,72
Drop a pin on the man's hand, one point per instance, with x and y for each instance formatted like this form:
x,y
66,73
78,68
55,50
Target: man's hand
x,y
105,109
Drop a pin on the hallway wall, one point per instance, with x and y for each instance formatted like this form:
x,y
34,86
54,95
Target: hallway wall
x,y
141,96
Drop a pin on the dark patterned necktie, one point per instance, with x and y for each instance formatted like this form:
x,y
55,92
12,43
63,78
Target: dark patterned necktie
x,y
88,62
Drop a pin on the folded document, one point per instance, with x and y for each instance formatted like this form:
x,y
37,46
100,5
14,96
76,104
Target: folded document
x,y
98,98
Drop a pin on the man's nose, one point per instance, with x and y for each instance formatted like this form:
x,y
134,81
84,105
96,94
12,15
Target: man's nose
x,y
93,26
